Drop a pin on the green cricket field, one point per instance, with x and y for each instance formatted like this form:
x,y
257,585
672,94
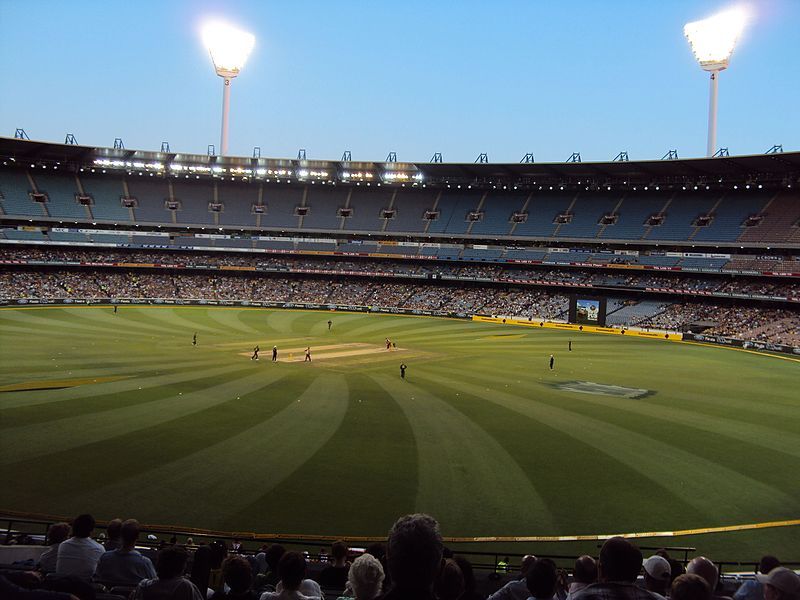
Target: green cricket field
x,y
119,414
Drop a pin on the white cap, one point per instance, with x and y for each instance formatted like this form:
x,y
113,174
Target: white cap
x,y
658,568
782,579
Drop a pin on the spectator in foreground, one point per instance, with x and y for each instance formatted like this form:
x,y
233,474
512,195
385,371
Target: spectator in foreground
x,y
238,576
366,577
657,575
585,573
114,533
414,555
170,583
542,578
334,576
273,556
56,533
11,591
618,569
449,584
708,571
293,585
753,589
470,591
780,584
78,555
517,589
125,565
690,587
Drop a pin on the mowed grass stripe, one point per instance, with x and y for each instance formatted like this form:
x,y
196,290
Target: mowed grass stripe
x,y
169,320
237,466
41,439
670,418
532,445
710,487
229,321
172,374
45,328
283,323
461,468
184,450
104,364
121,322
91,405
68,320
365,474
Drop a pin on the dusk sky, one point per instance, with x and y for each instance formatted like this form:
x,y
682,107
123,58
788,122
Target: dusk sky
x,y
502,77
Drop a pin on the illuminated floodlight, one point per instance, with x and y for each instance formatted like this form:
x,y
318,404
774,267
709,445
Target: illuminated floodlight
x,y
229,48
713,41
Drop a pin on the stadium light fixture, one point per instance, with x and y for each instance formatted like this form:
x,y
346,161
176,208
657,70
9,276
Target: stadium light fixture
x,y
713,41
229,48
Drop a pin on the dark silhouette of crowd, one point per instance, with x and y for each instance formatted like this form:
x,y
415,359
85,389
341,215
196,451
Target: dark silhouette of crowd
x,y
413,564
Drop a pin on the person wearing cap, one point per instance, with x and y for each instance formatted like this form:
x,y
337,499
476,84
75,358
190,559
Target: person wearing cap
x,y
657,575
752,589
780,584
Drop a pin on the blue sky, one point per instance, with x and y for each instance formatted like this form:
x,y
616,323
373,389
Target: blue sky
x,y
502,77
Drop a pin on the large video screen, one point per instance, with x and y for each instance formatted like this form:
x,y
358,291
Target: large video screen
x,y
587,311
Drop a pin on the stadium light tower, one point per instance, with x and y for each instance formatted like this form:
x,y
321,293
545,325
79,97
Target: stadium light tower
x,y
712,41
229,48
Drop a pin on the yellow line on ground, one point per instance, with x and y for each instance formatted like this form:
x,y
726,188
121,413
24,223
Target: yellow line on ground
x,y
246,535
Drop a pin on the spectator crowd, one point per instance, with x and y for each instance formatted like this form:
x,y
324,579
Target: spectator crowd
x,y
412,564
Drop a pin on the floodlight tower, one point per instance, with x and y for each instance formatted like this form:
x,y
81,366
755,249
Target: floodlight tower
x,y
229,48
712,41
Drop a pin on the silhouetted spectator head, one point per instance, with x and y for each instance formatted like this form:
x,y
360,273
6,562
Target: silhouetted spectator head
x,y
414,552
585,569
273,556
527,563
676,569
171,562
292,570
449,584
376,549
339,552
201,567
57,532
780,584
129,533
237,573
218,553
468,573
542,578
767,563
82,526
366,577
113,529
620,560
690,587
706,569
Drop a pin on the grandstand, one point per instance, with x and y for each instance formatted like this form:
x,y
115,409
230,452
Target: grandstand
x,y
501,257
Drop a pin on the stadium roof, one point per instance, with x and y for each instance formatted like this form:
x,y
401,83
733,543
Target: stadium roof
x,y
773,167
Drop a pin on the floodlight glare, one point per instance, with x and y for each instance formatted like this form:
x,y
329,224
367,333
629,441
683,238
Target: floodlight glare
x,y
229,48
713,41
